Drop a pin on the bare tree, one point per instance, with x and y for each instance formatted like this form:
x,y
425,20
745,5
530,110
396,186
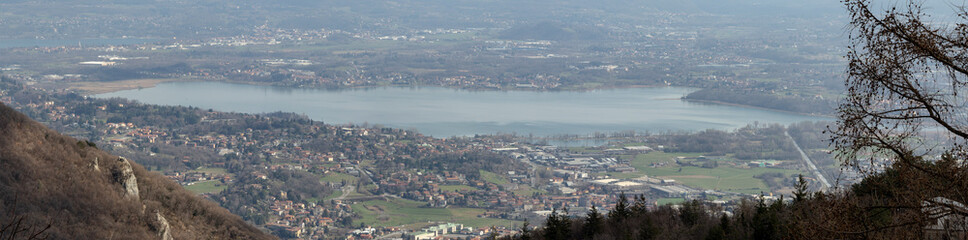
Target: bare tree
x,y
17,229
907,109
14,226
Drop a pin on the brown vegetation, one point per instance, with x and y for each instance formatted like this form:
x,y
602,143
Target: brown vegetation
x,y
48,178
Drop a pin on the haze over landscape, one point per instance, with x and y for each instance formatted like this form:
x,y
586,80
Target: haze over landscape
x,y
482,119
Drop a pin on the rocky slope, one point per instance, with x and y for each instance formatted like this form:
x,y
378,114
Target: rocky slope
x,y
59,187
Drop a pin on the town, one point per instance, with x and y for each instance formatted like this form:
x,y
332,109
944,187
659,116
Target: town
x,y
305,179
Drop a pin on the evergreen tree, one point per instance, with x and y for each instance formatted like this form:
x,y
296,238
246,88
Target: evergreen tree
x,y
719,231
724,223
800,193
525,231
648,230
766,222
640,205
621,210
593,223
557,226
691,212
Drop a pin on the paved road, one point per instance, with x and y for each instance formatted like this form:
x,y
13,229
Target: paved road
x,y
810,164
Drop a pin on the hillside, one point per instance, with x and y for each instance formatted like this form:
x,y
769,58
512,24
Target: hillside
x,y
81,192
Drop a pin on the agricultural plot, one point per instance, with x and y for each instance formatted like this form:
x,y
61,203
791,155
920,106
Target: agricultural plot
x,y
338,178
398,212
724,177
494,178
210,186
456,188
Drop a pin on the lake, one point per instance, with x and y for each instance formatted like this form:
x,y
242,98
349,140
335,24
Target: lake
x,y
444,112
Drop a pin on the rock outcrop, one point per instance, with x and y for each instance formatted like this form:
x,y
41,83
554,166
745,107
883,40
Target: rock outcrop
x,y
124,175
95,165
48,179
164,229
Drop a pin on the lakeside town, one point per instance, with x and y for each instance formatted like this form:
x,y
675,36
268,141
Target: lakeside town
x,y
567,119
497,182
300,178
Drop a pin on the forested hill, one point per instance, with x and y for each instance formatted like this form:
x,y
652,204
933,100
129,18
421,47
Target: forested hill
x,y
57,187
761,99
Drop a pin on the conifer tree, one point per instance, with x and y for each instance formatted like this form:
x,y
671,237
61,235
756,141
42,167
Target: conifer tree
x,y
557,225
800,193
639,205
621,210
593,223
525,231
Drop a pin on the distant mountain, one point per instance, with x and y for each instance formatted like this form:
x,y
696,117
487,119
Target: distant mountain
x,y
63,188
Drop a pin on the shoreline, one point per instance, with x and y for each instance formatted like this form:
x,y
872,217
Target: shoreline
x,y
756,107
95,88
88,88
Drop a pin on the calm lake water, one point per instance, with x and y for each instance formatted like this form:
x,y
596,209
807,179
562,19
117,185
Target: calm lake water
x,y
443,112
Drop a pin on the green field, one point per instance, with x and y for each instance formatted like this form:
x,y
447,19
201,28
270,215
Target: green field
x,y
494,178
397,212
336,193
357,194
643,161
724,177
338,177
211,170
211,186
455,188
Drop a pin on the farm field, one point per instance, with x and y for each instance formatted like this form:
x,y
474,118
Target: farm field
x,y
397,212
494,178
335,177
724,177
456,188
211,186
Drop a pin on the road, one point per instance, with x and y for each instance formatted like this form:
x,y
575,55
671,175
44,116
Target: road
x,y
534,171
813,168
347,190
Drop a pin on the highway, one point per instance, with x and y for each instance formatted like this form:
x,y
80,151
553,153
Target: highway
x,y
813,168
